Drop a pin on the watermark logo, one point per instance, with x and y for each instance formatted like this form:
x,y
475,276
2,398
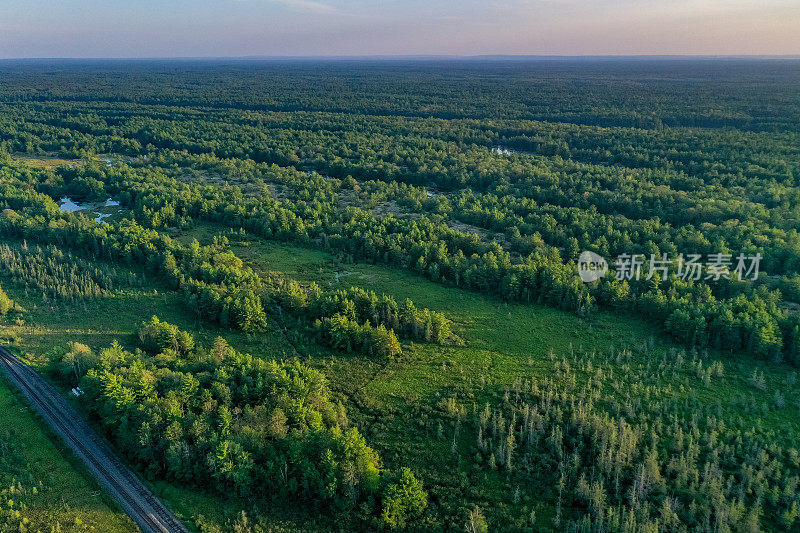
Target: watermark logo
x,y
717,266
591,266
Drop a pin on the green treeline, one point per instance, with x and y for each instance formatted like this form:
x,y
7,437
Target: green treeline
x,y
60,275
233,423
355,306
738,316
216,284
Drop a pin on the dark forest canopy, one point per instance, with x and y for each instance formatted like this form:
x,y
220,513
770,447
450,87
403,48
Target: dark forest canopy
x,y
747,94
486,177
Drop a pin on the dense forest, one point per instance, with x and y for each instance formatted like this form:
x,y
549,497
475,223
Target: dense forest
x,y
485,178
214,417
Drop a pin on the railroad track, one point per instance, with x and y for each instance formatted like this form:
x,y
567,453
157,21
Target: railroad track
x,y
144,508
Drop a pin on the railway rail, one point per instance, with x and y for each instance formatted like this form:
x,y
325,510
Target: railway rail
x,y
149,513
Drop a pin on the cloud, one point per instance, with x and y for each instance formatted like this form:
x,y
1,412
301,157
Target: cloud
x,y
307,6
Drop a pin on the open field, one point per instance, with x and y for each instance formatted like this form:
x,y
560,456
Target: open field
x,y
48,162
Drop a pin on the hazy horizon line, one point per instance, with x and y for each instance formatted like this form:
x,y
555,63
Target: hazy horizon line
x,y
520,56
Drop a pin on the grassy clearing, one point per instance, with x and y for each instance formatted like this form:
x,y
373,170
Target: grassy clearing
x,y
100,321
503,340
49,162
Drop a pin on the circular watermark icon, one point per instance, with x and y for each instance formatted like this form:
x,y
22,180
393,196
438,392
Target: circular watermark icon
x,y
591,266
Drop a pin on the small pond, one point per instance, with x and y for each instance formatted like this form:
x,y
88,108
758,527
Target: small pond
x,y
67,204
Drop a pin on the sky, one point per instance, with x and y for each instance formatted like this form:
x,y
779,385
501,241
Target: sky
x,y
233,28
